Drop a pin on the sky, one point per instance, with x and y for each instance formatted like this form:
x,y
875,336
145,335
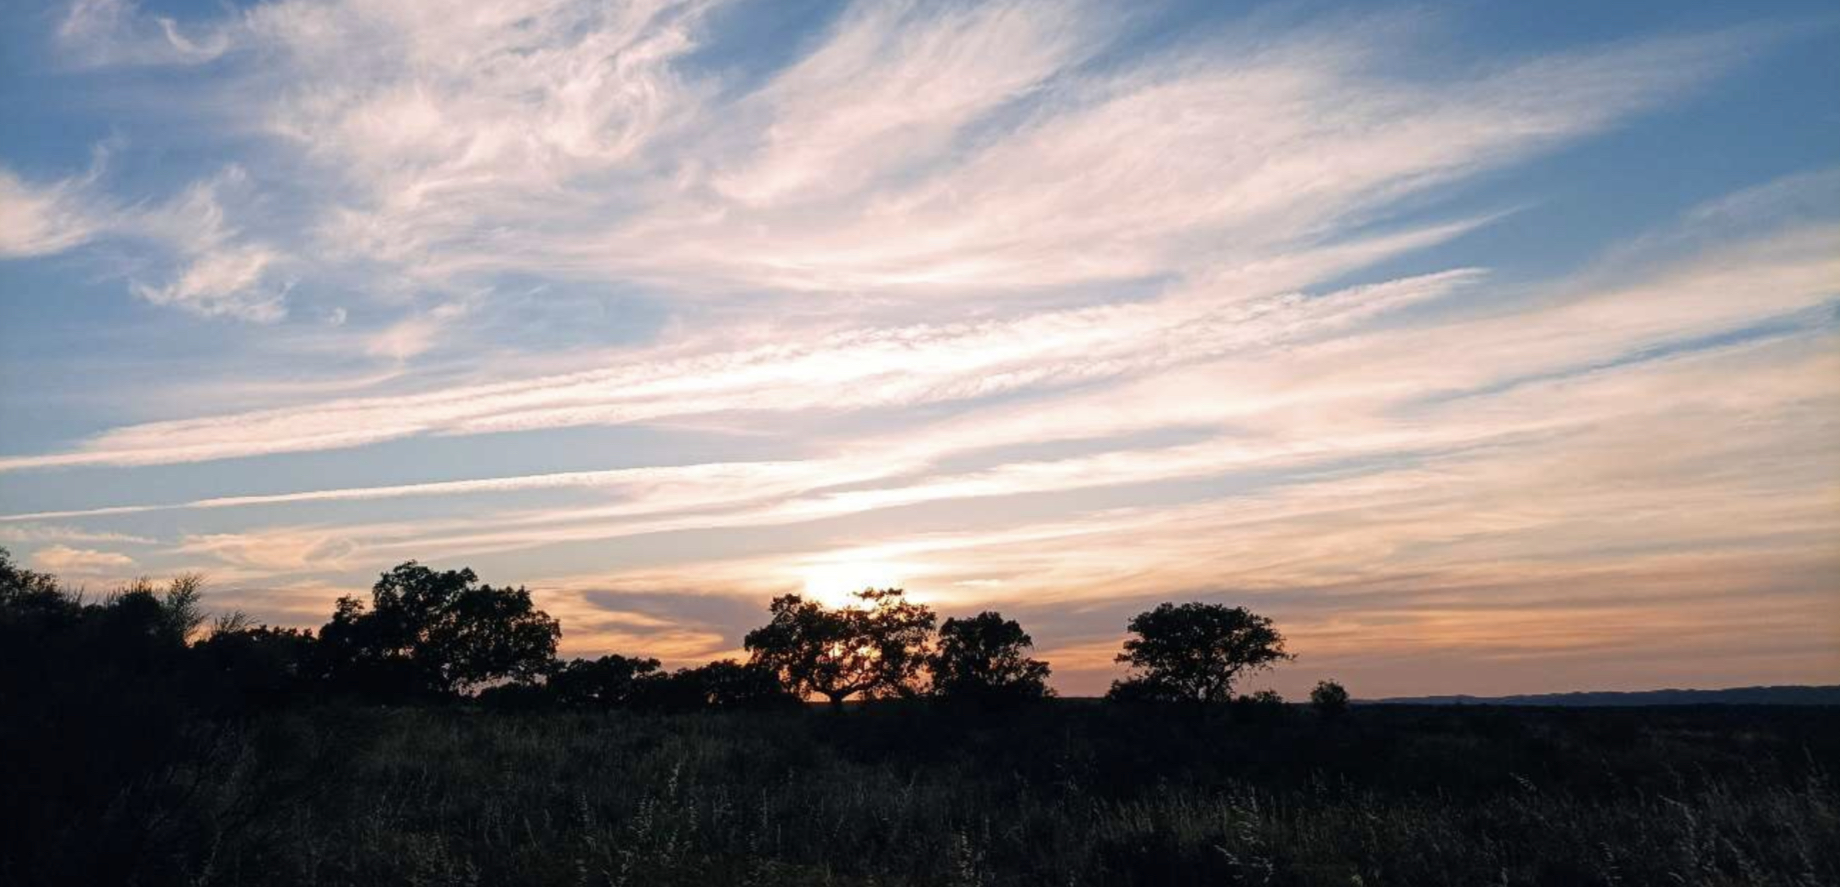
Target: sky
x,y
1487,348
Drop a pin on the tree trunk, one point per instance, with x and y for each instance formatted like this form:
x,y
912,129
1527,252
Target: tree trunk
x,y
836,702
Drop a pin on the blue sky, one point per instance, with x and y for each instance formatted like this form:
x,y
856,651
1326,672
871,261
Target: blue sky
x,y
1488,347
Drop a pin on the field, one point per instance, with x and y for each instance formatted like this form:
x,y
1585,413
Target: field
x,y
1069,793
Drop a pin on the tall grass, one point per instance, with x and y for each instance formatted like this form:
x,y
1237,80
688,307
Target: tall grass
x,y
1067,795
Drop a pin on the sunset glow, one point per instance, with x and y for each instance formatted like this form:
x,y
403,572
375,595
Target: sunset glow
x,y
1484,355
836,583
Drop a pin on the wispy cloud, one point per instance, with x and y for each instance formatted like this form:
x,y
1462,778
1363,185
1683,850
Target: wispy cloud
x,y
117,32
856,369
66,560
1024,304
16,533
37,220
969,148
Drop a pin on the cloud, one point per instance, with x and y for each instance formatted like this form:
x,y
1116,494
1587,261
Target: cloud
x,y
80,561
892,85
45,219
415,335
1166,344
1018,303
448,131
969,150
1415,526
32,533
222,283
633,479
222,273
858,369
115,32
225,273
276,550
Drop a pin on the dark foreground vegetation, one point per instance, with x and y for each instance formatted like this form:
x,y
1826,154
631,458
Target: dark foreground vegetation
x,y
1072,793
138,745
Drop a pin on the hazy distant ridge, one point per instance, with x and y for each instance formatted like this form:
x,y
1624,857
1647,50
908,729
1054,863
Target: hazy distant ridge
x,y
1793,695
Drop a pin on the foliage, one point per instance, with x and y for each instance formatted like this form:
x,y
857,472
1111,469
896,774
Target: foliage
x,y
1195,651
607,682
255,665
1264,706
429,633
18,585
1068,793
983,660
97,724
876,649
1329,699
138,747
727,684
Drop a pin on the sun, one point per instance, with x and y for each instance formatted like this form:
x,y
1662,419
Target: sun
x,y
835,583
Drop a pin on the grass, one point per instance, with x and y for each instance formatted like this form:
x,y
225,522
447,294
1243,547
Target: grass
x,y
1070,794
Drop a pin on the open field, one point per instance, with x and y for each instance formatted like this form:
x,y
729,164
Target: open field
x,y
1072,792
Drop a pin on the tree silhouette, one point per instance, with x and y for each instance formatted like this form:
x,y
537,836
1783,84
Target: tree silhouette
x,y
1329,699
17,584
436,633
983,660
608,682
875,649
728,684
238,665
97,700
1194,652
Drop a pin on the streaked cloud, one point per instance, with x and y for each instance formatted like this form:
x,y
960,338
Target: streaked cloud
x,y
1055,308
38,220
65,560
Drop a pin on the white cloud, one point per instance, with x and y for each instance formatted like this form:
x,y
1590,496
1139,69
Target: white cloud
x,y
891,87
933,364
31,533
276,550
227,282
221,272
64,559
451,129
1082,293
224,272
856,369
41,220
116,32
915,150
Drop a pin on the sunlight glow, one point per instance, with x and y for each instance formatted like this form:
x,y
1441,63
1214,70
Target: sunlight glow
x,y
834,583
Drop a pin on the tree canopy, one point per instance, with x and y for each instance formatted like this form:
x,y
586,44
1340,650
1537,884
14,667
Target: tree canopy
x,y
984,660
437,633
1195,651
1330,699
432,635
875,649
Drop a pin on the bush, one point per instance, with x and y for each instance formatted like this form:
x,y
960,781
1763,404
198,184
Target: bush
x,y
1329,699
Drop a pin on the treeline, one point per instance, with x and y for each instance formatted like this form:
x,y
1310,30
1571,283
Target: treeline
x,y
429,636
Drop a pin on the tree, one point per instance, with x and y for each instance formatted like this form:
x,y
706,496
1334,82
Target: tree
x,y
983,660
608,682
239,665
729,684
1261,706
16,584
1194,652
1329,699
437,633
875,649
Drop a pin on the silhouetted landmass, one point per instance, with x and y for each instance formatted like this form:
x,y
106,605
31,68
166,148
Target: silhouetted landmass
x,y
430,735
1785,695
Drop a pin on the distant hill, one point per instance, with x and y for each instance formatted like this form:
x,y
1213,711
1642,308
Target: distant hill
x,y
1731,696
